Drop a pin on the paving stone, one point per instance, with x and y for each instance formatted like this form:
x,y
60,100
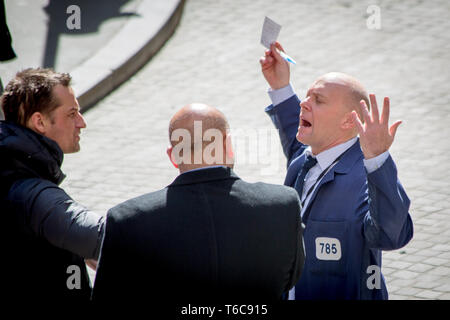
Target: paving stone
x,y
442,247
426,284
400,265
413,258
422,244
435,261
397,297
408,291
445,296
441,271
401,283
420,267
387,271
428,254
443,288
405,274
428,294
427,277
392,289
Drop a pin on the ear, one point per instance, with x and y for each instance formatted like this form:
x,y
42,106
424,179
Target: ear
x,y
37,122
169,153
229,149
348,121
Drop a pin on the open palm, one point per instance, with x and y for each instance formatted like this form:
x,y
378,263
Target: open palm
x,y
375,135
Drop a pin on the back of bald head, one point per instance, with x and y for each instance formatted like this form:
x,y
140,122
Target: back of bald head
x,y
187,116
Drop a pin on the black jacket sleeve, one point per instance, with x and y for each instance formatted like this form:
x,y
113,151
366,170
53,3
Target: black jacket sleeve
x,y
299,242
52,214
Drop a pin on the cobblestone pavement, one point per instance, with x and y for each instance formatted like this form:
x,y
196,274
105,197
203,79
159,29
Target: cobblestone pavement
x,y
213,58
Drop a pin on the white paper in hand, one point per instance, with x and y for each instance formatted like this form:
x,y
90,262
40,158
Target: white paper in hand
x,y
269,35
270,32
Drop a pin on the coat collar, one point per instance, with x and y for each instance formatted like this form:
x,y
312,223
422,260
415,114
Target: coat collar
x,y
29,154
327,157
204,175
349,159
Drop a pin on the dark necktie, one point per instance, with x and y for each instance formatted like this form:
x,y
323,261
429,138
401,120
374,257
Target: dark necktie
x,y
308,164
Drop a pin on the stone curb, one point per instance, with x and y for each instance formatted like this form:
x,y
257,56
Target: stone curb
x,y
135,44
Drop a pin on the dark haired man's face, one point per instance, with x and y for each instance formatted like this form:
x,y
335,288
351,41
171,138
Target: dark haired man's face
x,y
66,120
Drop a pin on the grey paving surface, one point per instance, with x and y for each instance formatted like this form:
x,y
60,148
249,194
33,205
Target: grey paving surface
x,y
213,58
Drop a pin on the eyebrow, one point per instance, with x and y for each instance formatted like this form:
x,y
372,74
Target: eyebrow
x,y
315,93
319,94
74,109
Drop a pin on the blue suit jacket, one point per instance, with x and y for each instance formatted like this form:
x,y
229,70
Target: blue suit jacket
x,y
366,213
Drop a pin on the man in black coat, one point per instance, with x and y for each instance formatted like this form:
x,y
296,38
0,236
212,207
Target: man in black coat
x,y
45,234
207,237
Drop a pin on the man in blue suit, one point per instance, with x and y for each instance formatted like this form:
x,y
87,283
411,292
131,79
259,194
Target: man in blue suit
x,y
353,205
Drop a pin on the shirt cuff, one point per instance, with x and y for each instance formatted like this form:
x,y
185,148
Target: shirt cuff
x,y
375,163
280,95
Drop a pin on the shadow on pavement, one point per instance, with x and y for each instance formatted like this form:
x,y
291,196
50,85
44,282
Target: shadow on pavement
x,y
91,13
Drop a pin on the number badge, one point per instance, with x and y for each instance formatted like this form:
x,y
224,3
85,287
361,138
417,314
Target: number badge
x,y
328,248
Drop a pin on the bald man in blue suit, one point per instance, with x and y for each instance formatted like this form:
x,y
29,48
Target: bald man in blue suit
x,y
353,205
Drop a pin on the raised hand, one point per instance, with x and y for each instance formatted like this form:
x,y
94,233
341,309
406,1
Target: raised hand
x,y
375,135
274,68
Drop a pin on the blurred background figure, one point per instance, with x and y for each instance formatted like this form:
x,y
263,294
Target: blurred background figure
x,y
7,52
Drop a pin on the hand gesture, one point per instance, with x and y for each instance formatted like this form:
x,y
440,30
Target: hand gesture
x,y
375,135
274,68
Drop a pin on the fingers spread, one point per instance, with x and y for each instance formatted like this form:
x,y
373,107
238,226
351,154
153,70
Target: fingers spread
x,y
385,114
394,127
365,111
374,105
358,122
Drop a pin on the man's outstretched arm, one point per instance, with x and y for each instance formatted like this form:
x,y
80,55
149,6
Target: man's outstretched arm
x,y
387,224
285,110
52,214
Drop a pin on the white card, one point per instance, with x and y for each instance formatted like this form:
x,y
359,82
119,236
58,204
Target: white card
x,y
270,32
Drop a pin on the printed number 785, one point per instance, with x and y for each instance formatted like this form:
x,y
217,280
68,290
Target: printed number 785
x,y
328,248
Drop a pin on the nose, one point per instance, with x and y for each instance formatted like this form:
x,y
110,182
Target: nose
x,y
81,123
304,104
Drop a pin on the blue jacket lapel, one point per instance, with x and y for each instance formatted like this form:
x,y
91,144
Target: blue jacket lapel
x,y
344,166
294,170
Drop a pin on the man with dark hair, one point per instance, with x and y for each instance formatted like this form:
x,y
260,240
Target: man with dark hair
x,y
46,233
208,236
31,91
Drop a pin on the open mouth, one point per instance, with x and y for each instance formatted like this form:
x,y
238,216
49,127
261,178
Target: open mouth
x,y
305,123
